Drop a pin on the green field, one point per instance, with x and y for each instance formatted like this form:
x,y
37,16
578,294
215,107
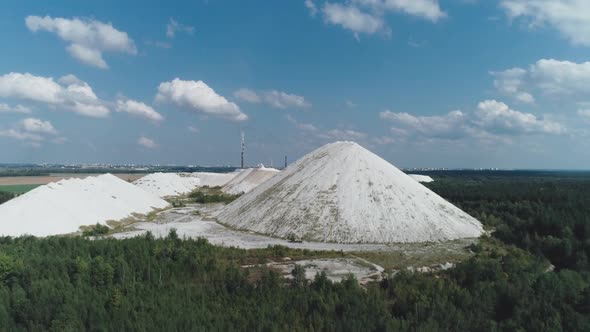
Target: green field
x,y
18,188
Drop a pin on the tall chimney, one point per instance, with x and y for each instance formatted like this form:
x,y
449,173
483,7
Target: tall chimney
x,y
243,147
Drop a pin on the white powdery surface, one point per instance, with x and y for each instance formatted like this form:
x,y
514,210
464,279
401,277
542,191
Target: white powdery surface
x,y
213,179
249,179
64,206
421,178
167,184
343,193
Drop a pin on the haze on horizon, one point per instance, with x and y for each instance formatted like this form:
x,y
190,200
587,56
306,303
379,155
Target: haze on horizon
x,y
427,83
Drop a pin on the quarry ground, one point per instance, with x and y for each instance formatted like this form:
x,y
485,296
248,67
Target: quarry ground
x,y
365,261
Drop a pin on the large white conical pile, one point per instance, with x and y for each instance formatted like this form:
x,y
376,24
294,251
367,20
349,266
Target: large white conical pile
x,y
341,192
64,206
249,179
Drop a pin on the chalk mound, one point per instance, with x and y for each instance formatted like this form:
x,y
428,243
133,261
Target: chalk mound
x,y
421,178
249,179
214,179
62,207
343,193
167,184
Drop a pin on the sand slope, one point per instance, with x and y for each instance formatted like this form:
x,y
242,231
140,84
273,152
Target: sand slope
x,y
342,192
421,178
249,179
64,206
214,179
167,184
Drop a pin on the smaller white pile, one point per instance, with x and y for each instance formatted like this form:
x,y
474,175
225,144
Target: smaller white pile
x,y
421,178
64,206
167,184
213,179
249,179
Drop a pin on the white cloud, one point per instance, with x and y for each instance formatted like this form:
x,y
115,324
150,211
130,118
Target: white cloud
x,y
302,126
383,140
353,19
368,16
510,82
548,76
87,38
349,104
20,135
427,9
73,95
491,121
147,142
5,108
570,17
139,109
33,132
199,97
173,27
313,9
497,117
247,95
312,131
38,126
193,129
87,55
584,114
274,98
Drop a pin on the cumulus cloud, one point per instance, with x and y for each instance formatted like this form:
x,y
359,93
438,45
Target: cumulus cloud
x,y
38,126
427,9
313,9
138,109
570,17
368,16
549,76
88,39
173,27
273,98
5,108
492,120
199,97
72,94
353,19
33,132
511,82
147,142
247,95
312,131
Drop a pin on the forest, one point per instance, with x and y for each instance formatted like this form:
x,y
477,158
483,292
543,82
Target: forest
x,y
144,283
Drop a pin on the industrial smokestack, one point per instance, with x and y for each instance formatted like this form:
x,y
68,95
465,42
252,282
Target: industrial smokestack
x,y
243,148
285,161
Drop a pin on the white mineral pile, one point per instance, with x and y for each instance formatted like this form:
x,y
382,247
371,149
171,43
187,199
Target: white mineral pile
x,y
249,179
62,207
343,193
214,179
421,178
167,184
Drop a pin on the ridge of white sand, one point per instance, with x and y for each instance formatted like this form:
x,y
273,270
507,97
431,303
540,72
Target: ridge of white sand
x,y
421,178
62,207
167,184
249,179
344,193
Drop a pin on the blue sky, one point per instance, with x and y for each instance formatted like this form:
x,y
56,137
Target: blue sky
x,y
425,83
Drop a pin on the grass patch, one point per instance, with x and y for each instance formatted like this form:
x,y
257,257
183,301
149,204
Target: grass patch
x,y
18,189
211,195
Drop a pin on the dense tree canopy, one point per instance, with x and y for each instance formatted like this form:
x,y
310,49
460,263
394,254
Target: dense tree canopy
x,y
171,284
